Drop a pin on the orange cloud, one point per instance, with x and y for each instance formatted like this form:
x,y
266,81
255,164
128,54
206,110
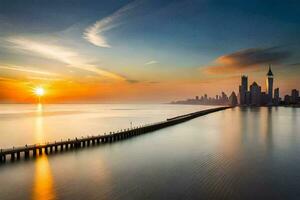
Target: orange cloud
x,y
246,60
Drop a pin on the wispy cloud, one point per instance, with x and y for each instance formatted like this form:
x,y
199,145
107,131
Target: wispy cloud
x,y
59,53
44,78
247,59
153,82
94,35
28,70
133,81
152,62
294,64
5,79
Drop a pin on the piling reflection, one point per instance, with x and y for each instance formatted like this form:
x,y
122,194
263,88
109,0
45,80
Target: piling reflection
x,y
43,181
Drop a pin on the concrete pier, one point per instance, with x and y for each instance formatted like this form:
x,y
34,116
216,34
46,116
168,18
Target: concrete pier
x,y
37,149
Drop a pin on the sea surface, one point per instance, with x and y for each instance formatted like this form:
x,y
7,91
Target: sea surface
x,y
239,153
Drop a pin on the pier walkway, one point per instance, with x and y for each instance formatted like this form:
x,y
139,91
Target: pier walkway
x,y
28,151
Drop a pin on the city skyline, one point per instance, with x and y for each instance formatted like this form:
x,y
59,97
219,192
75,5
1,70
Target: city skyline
x,y
143,51
249,95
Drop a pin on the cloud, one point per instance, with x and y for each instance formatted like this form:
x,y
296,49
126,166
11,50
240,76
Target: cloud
x,y
93,34
25,69
5,79
294,64
152,62
153,82
133,81
247,59
44,79
59,53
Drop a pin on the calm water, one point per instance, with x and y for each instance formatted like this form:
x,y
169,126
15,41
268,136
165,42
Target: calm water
x,y
232,154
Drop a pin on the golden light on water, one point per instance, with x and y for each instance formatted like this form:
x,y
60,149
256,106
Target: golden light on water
x,y
39,125
43,187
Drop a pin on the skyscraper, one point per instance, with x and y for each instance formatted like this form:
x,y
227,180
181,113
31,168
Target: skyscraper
x,y
294,96
276,96
243,89
269,83
233,99
255,94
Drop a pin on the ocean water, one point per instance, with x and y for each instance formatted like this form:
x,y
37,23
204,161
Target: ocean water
x,y
22,124
240,153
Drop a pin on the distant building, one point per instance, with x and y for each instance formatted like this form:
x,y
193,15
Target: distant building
x,y
243,90
287,99
276,97
224,98
294,96
255,91
264,98
269,82
197,98
248,98
233,101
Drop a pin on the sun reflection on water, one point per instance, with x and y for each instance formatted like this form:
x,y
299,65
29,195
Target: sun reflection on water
x,y
39,129
43,181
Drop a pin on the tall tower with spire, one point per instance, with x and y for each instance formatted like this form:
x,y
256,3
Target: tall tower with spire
x,y
269,83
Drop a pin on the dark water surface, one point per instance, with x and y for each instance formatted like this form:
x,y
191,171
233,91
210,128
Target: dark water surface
x,y
241,153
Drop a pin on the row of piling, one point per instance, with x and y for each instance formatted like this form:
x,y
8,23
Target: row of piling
x,y
28,151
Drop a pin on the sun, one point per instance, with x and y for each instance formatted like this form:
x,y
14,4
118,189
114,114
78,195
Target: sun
x,y
39,91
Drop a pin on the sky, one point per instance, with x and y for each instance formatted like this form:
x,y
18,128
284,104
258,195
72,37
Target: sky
x,y
144,50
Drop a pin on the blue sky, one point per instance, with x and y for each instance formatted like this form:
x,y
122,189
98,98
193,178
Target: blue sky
x,y
149,41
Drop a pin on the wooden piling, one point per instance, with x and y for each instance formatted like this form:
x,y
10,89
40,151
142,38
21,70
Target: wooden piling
x,y
12,156
3,158
26,154
34,152
46,150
